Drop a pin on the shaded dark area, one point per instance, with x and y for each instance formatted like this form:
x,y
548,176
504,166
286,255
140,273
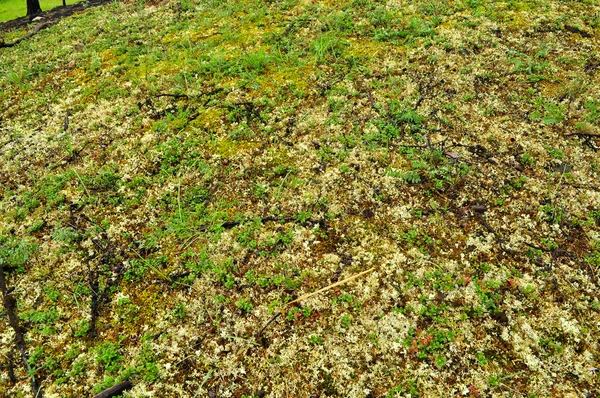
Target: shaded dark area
x,y
33,8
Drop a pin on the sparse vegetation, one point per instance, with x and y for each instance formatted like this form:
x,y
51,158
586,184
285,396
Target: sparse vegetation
x,y
173,176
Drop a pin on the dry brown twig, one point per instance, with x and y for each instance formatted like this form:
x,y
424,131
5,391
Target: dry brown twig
x,y
582,134
309,295
115,390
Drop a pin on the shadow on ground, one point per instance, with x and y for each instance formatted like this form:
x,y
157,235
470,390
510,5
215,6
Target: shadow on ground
x,y
52,15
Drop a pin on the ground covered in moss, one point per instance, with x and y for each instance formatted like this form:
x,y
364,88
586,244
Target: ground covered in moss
x,y
172,176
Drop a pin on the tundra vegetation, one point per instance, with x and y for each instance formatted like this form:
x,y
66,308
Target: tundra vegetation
x,y
172,174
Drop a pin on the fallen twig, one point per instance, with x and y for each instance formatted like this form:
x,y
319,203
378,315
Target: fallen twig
x,y
172,95
582,134
499,237
10,307
39,27
188,96
309,295
538,247
273,318
232,224
351,278
115,390
66,120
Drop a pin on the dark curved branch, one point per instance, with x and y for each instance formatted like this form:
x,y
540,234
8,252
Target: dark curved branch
x,y
115,390
39,27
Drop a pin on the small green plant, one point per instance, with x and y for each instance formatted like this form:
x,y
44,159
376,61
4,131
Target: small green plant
x,y
15,253
393,391
65,235
555,153
595,214
316,340
260,191
548,243
428,343
43,319
52,293
83,328
593,259
328,46
440,361
527,159
303,216
306,311
554,214
179,311
592,108
293,314
412,177
146,364
518,183
244,304
108,355
481,359
533,68
255,62
494,381
548,111
551,345
497,380
138,268
346,321
489,296
373,339
411,389
434,311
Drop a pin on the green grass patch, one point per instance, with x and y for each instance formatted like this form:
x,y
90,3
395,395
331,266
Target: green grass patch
x,y
11,9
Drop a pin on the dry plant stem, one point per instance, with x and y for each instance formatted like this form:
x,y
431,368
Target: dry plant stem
x,y
10,306
351,278
273,318
66,121
499,237
309,295
582,134
232,224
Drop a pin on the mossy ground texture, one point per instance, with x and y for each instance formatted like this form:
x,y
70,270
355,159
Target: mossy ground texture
x,y
172,175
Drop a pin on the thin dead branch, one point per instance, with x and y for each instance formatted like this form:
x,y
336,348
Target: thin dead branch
x,y
499,238
232,224
10,306
582,134
66,121
115,390
172,95
309,295
39,27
